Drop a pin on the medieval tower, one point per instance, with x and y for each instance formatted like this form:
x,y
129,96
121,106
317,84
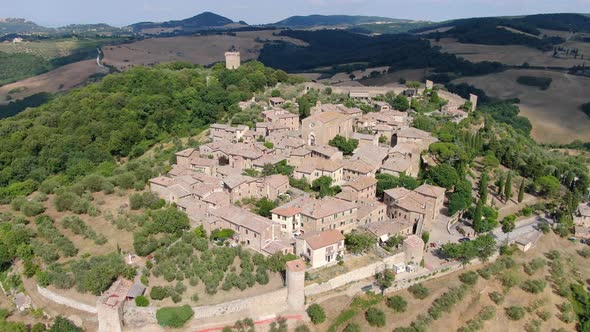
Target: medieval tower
x,y
232,59
296,284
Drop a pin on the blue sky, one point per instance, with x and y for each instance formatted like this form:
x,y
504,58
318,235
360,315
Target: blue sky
x,y
124,12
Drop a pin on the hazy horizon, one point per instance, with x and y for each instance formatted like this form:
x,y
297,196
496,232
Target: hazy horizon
x,y
122,13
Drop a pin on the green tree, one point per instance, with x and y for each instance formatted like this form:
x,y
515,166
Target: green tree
x,y
508,225
61,324
397,303
478,217
323,185
174,316
385,279
375,317
400,103
483,188
357,242
264,206
508,187
521,191
425,237
316,313
347,146
142,301
443,175
548,185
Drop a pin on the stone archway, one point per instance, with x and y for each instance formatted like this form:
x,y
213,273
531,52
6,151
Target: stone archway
x,y
311,140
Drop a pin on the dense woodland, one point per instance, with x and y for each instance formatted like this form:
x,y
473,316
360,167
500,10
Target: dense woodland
x,y
336,47
122,116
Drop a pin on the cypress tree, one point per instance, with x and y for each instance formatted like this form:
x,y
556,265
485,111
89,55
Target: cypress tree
x,y
521,191
508,187
483,187
500,184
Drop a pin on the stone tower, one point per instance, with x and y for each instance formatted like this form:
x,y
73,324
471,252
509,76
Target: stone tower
x,y
296,284
109,306
413,247
473,100
232,60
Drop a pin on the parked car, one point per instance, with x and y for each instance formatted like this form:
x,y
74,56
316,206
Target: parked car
x,y
465,239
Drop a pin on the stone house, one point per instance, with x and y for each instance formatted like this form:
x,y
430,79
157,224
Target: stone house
x,y
366,139
364,188
320,128
314,168
282,118
395,166
239,187
326,152
354,169
386,229
223,132
236,155
582,215
276,101
316,215
417,137
320,248
420,206
370,212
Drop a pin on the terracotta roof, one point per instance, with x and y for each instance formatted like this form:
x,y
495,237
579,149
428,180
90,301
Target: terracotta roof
x,y
276,180
162,181
233,181
309,165
365,137
373,155
349,196
325,150
413,133
358,166
203,161
431,191
317,240
366,208
414,242
361,183
399,164
243,218
397,193
326,117
186,152
325,207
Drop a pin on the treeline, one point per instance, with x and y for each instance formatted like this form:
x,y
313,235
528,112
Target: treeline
x,y
121,116
19,66
17,106
336,47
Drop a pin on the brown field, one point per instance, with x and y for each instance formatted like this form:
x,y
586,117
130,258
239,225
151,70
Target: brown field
x,y
554,113
477,298
60,79
202,50
510,54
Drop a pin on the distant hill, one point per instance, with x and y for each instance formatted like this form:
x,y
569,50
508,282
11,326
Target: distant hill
x,y
18,26
521,30
311,21
202,21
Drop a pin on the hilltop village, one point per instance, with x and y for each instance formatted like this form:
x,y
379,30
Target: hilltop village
x,y
238,164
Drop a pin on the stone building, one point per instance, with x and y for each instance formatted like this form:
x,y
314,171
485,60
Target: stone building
x,y
232,60
413,247
314,168
320,128
420,206
320,248
363,188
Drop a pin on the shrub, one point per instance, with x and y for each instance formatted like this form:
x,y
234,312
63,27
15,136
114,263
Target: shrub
x,y
509,279
497,297
533,325
159,293
174,316
469,278
375,317
303,328
316,313
397,303
544,315
534,265
584,252
515,312
142,301
419,291
61,324
534,286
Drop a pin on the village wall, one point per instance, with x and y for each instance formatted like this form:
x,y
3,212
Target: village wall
x,y
134,316
355,275
276,300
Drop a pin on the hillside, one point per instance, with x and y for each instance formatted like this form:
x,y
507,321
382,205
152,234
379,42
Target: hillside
x,y
311,21
18,25
201,21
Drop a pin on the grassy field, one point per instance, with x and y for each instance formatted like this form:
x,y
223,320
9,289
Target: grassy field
x,y
28,59
554,112
478,297
511,54
196,49
57,80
